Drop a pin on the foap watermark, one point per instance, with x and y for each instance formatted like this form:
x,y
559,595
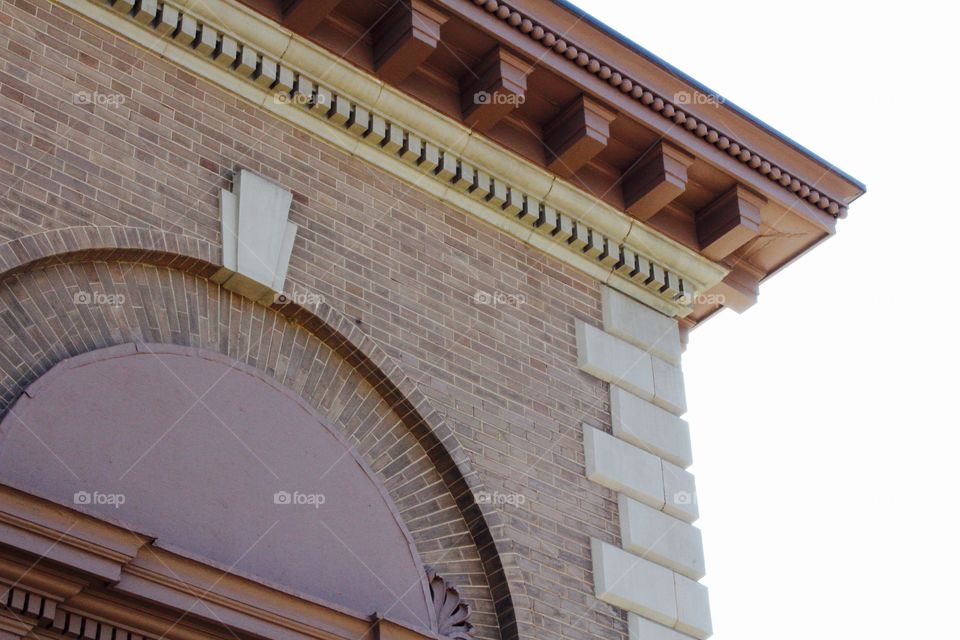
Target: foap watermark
x,y
300,99
687,97
684,497
88,498
494,298
513,499
485,97
99,99
704,298
299,498
301,298
99,297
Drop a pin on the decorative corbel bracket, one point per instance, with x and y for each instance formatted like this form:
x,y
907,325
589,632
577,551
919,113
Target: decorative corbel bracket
x,y
304,16
655,180
495,89
257,237
729,222
577,134
739,289
405,38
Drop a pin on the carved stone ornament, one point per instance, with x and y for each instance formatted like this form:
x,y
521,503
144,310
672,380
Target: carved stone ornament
x,y
452,612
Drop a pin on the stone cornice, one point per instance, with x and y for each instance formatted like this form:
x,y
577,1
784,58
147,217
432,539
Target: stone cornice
x,y
643,95
299,81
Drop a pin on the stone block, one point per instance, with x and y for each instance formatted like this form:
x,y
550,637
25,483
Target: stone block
x,y
693,608
615,361
649,427
632,583
680,493
668,387
257,237
661,538
622,467
643,629
640,325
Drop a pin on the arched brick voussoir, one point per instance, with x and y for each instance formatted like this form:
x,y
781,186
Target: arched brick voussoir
x,y
437,440
201,258
110,244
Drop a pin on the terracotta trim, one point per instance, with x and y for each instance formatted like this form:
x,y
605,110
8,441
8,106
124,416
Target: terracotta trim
x,y
201,258
659,104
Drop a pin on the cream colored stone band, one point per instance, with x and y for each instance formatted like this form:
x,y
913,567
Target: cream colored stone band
x,y
300,82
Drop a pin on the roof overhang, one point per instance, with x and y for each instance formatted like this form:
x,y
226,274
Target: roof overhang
x,y
538,120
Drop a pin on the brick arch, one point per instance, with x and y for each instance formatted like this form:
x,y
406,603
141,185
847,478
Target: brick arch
x,y
92,247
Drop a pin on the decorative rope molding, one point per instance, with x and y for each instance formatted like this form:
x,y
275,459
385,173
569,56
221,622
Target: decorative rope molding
x,y
365,132
657,103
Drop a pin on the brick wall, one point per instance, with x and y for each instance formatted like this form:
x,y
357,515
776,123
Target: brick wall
x,y
95,131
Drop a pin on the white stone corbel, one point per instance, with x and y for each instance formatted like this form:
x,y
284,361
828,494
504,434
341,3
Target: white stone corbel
x,y
257,237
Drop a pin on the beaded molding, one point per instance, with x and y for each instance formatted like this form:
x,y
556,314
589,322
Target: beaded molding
x,y
659,104
298,91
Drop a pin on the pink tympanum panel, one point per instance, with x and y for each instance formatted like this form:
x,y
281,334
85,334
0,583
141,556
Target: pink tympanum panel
x,y
213,458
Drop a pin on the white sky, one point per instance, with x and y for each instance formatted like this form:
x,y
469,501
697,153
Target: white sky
x,y
824,420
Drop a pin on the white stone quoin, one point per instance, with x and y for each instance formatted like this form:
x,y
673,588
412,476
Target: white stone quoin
x,y
649,427
623,467
632,583
643,629
641,326
693,608
661,538
679,493
654,575
668,386
615,361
